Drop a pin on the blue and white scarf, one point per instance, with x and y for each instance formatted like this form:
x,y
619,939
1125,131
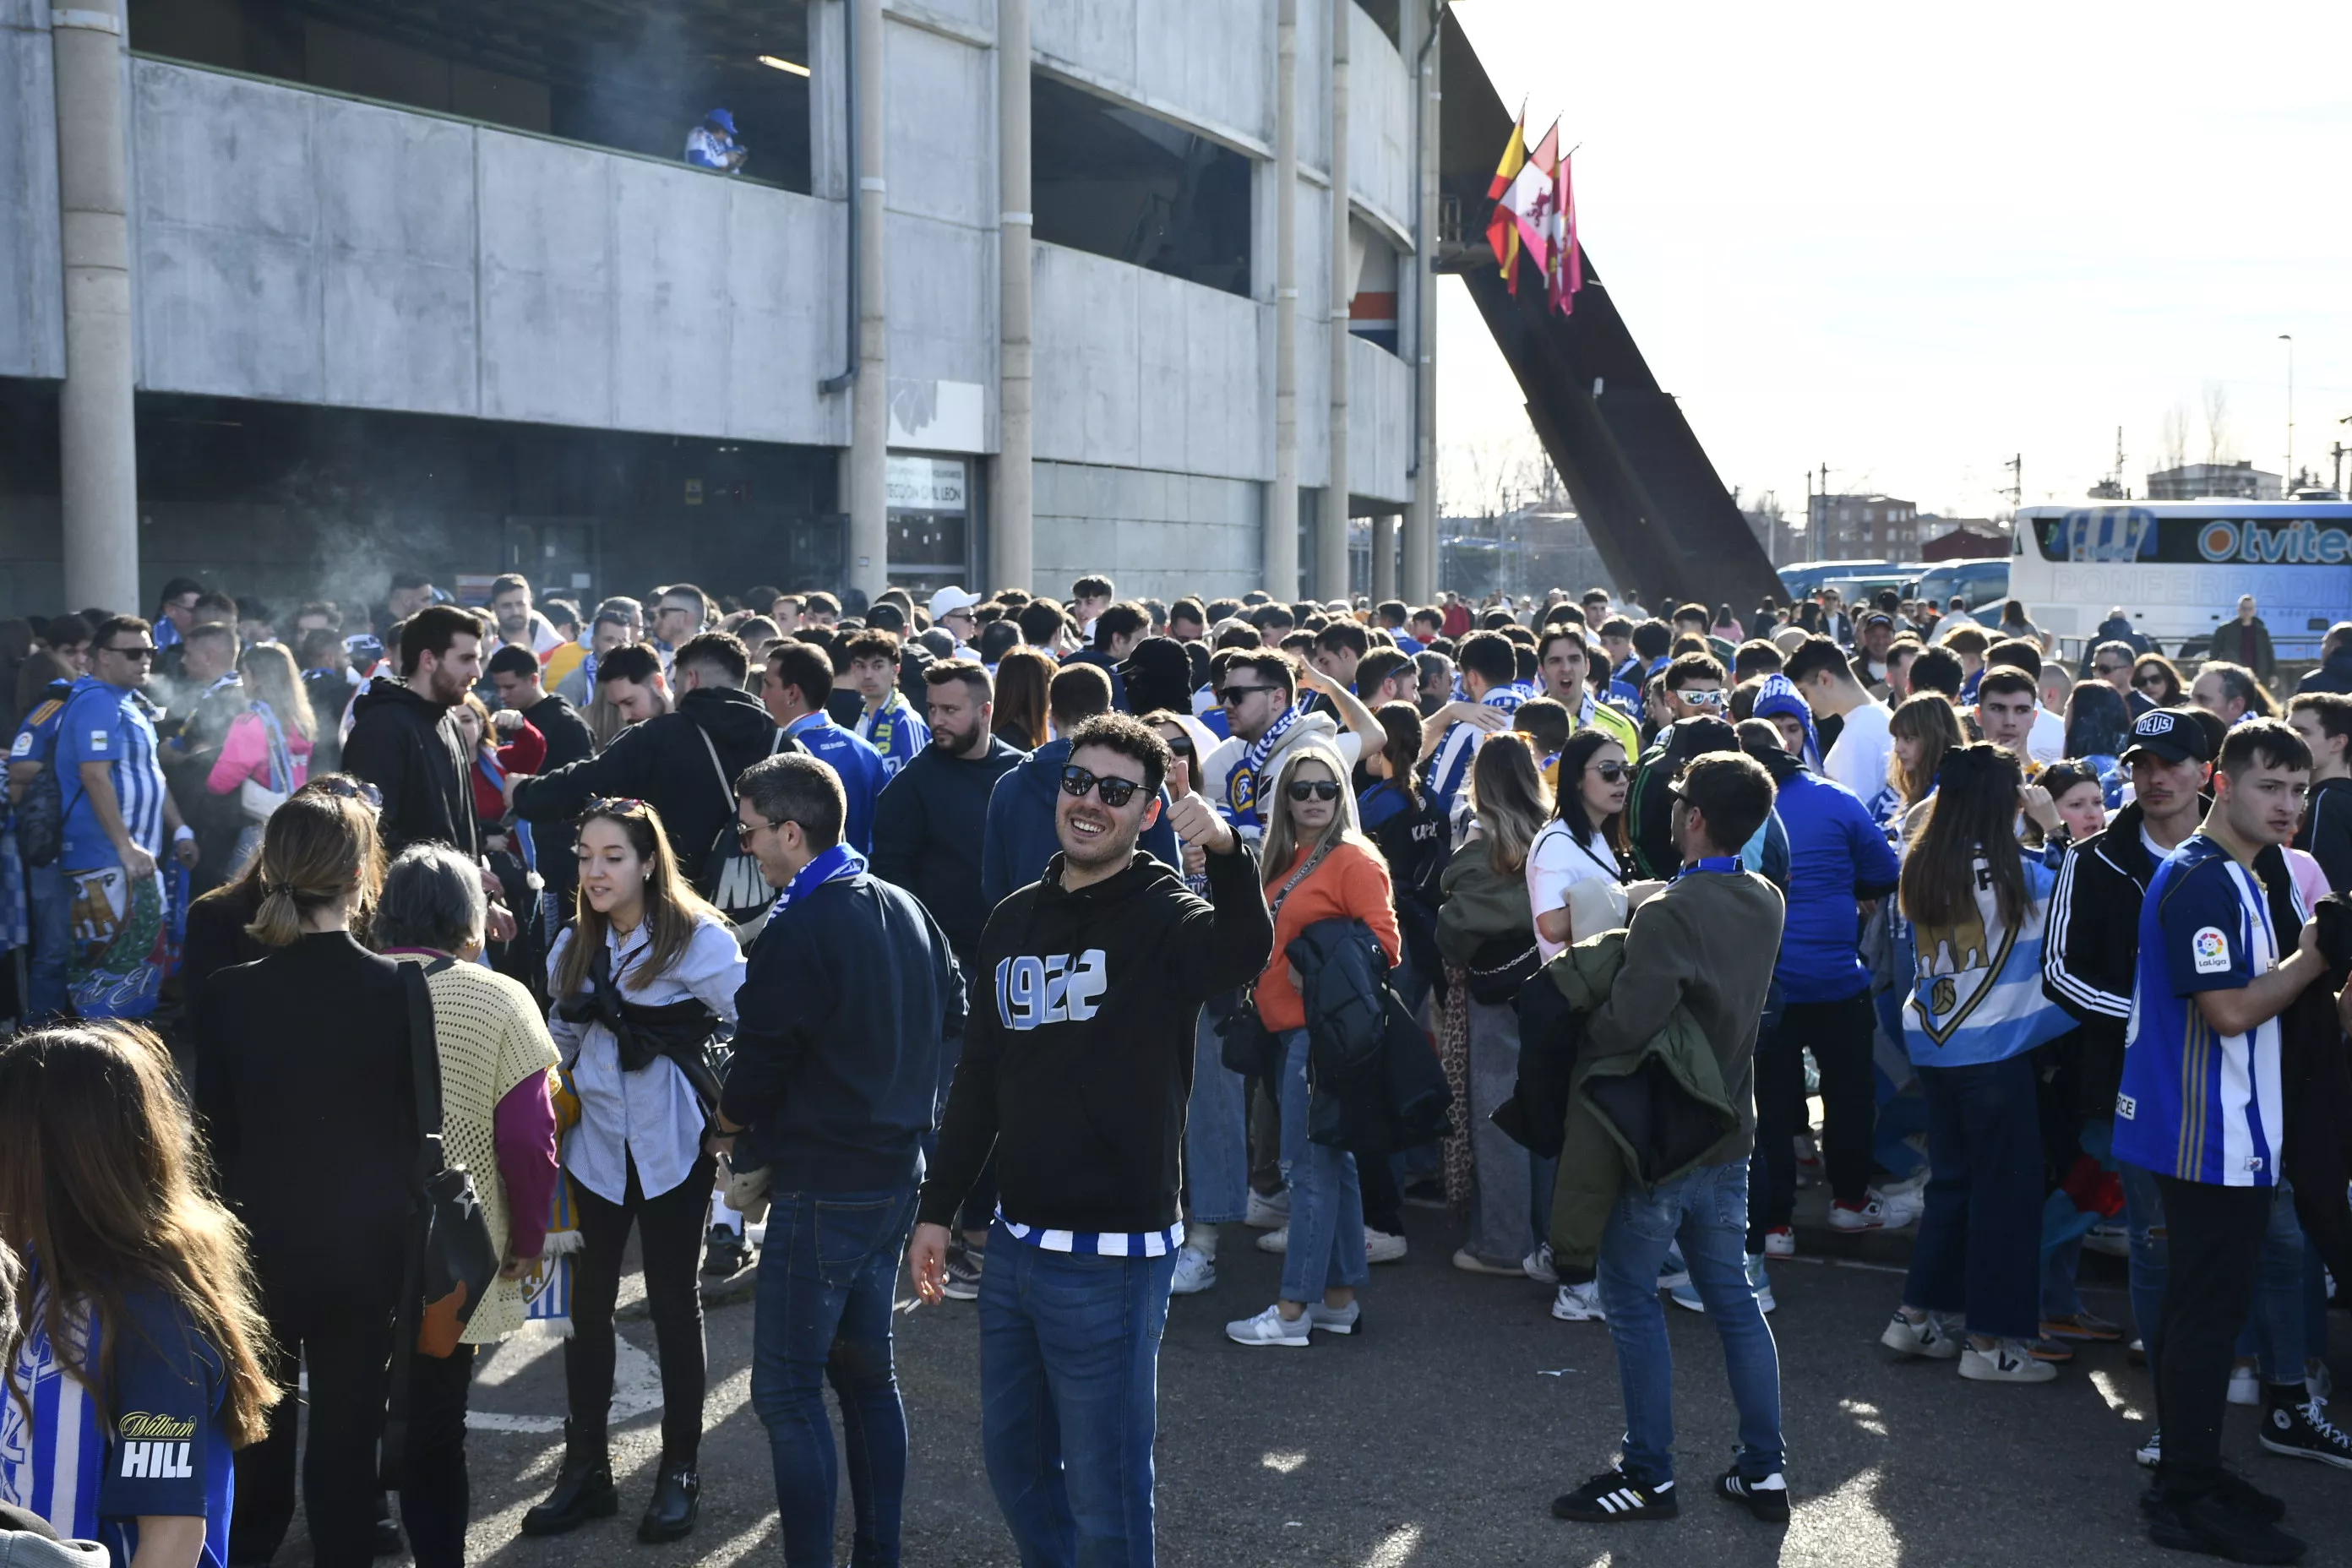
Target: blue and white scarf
x,y
1242,783
832,866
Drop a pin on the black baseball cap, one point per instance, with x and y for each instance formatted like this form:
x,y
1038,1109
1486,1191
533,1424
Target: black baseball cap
x,y
2170,733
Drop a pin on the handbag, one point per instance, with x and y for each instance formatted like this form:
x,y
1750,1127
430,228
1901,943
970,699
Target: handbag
x,y
1245,1044
731,879
1501,965
451,1263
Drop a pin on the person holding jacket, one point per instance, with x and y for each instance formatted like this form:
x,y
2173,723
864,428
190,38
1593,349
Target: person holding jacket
x,y
1704,943
1024,808
1319,866
1077,1078
668,761
497,1120
644,952
848,1002
1839,860
1978,909
305,1091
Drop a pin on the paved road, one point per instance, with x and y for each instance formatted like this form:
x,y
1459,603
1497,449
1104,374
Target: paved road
x,y
1441,1434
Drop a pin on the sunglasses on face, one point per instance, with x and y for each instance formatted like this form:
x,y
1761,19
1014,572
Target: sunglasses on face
x,y
1114,792
2153,680
1610,773
2105,671
1231,695
1180,748
1701,698
138,651
1308,789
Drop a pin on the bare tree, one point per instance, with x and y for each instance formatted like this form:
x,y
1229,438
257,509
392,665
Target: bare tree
x,y
2217,423
2172,436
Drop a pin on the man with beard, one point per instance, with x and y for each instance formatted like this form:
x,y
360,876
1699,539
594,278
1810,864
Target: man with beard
x,y
520,626
1077,1061
404,738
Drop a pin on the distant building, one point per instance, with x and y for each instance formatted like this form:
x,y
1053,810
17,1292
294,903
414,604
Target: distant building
x,y
1862,526
2240,480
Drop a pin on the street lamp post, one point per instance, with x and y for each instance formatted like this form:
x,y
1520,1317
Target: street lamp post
x,y
2288,339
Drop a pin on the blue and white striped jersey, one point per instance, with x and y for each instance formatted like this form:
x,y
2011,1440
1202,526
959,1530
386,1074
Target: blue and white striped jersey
x,y
104,723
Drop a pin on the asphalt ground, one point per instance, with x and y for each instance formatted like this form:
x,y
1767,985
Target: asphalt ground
x,y
1441,1433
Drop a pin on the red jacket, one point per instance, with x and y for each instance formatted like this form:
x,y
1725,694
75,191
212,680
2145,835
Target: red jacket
x,y
523,754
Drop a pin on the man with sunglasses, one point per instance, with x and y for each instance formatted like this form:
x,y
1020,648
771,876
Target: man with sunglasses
x,y
1077,1067
1259,694
117,812
2112,662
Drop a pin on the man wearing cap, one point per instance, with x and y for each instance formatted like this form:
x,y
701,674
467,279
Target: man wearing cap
x,y
2091,953
712,144
952,613
1878,630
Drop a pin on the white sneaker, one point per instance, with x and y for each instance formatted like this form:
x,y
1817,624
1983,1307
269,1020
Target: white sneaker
x,y
1760,1282
2245,1387
2007,1360
1270,1328
1780,1241
2150,1454
1335,1320
1380,1246
1267,1213
1578,1303
1930,1337
1871,1215
1901,1206
1673,1272
1275,1240
1538,1267
1195,1273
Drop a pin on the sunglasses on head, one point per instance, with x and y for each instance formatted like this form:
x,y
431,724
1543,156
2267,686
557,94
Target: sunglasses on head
x,y
1114,792
1610,773
1310,789
351,789
613,805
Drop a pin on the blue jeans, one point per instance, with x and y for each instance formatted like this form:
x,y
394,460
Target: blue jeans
x,y
49,901
822,1313
1327,1201
1216,1134
2144,1225
1069,1390
1707,1211
1978,1251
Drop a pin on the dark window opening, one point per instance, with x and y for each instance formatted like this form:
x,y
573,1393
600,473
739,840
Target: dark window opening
x,y
638,80
1126,184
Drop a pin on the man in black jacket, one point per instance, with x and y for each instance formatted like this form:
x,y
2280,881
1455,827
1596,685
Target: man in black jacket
x,y
667,760
405,739
847,1007
1077,1078
2324,720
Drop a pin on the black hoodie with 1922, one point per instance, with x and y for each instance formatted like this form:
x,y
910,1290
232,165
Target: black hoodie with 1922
x,y
1077,1055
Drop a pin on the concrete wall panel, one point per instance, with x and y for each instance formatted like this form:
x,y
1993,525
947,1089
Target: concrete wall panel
x,y
1208,63
784,284
941,128
397,231
670,233
1155,534
941,281
547,281
1380,120
1380,403
32,310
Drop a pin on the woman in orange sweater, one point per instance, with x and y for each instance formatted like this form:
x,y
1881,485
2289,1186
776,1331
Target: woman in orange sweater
x,y
1317,865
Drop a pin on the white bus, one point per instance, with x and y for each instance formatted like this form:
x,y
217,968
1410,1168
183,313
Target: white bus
x,y
2178,568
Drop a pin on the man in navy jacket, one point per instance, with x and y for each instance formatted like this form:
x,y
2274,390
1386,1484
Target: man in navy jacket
x,y
847,1007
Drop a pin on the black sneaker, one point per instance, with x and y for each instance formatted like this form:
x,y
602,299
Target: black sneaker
x,y
1768,1499
2214,1523
964,1264
1615,1498
2302,1431
726,1253
2235,1489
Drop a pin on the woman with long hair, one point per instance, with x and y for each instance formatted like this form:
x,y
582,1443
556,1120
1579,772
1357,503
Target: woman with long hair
x,y
1317,865
268,744
136,1337
1583,842
1024,678
305,1088
2158,679
498,746
1922,731
2098,731
641,948
1976,906
1404,824
499,1121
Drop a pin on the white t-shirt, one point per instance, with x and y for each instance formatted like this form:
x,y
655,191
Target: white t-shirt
x,y
2046,742
1556,863
1864,747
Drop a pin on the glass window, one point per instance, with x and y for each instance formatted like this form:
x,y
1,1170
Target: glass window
x,y
929,502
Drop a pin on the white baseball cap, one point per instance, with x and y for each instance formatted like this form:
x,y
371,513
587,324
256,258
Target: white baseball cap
x,y
947,601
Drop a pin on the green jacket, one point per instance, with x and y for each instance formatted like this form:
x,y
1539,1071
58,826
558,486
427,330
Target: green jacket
x,y
1650,1115
1480,902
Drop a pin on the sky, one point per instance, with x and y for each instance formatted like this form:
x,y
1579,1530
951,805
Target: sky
x,y
1912,242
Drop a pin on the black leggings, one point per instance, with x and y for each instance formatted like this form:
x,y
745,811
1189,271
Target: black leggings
x,y
1839,1034
434,1495
671,1232
347,1348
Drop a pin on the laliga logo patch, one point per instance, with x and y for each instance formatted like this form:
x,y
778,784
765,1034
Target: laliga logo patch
x,y
2209,950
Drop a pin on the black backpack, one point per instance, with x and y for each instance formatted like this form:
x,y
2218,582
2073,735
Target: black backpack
x,y
40,817
730,875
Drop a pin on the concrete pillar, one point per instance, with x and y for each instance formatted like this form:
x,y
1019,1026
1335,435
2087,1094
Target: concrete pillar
x,y
1420,565
1279,558
98,446
1012,538
1331,535
869,407
1384,556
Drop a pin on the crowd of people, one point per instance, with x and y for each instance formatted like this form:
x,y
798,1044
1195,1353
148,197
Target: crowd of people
x,y
1024,951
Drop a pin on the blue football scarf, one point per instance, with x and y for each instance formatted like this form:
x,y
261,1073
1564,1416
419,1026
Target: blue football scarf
x,y
834,864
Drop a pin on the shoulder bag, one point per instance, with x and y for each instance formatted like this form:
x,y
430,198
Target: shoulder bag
x,y
730,875
1245,1044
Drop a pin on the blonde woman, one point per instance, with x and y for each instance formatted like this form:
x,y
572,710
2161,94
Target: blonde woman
x,y
269,742
1317,865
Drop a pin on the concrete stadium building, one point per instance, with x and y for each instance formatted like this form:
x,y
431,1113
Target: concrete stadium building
x,y
302,292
